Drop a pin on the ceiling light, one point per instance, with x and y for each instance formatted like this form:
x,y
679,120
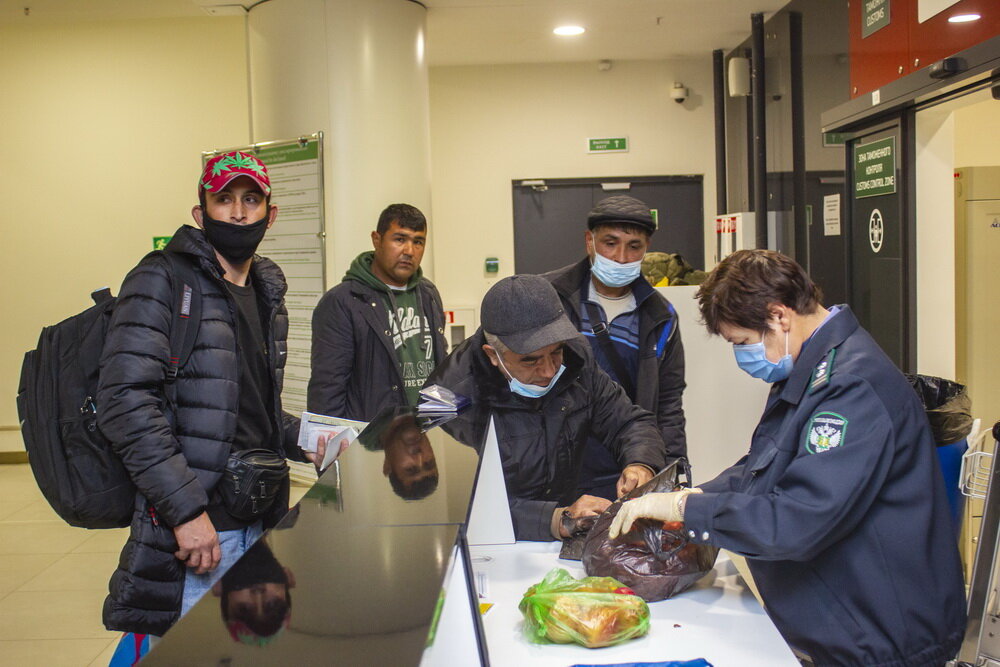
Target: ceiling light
x,y
963,18
569,30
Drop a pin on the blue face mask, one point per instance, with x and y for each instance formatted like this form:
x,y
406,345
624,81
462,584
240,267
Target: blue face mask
x,y
612,273
753,359
530,390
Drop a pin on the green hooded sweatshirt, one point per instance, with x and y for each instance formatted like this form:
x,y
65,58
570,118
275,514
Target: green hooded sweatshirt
x,y
411,330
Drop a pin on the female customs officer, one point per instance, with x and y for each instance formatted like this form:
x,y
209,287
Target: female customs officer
x,y
839,506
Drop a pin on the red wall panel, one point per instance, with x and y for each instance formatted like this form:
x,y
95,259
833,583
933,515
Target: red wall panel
x,y
905,45
877,59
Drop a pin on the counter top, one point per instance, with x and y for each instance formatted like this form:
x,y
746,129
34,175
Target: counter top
x,y
718,618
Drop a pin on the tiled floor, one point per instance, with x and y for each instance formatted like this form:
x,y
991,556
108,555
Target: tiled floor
x,y
53,580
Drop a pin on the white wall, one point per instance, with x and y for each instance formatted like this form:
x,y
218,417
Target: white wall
x,y
103,124
977,142
935,243
493,124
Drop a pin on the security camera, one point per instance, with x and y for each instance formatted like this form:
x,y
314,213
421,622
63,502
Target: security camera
x,y
679,93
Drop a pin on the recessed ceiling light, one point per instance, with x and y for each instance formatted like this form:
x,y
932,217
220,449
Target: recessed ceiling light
x,y
569,30
963,18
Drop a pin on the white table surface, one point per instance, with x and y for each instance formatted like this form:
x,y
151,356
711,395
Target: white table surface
x,y
719,619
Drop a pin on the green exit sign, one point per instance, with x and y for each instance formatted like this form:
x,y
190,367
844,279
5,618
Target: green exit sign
x,y
608,145
160,242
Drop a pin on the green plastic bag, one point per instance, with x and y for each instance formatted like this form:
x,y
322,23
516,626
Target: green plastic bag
x,y
593,611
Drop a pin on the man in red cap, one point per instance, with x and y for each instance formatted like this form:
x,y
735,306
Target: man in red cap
x,y
176,428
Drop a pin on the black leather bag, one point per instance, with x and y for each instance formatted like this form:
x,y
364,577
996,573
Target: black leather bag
x,y
252,481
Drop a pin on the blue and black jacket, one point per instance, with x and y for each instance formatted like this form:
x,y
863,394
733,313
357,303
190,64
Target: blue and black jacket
x,y
648,341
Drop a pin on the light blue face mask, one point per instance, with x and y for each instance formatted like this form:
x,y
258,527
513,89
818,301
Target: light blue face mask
x,y
530,390
753,359
612,273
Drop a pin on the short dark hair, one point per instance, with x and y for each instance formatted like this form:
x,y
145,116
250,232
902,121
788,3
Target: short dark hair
x,y
404,215
626,227
268,623
416,491
742,286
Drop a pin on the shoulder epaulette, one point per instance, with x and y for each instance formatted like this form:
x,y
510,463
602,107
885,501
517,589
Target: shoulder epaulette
x,y
824,369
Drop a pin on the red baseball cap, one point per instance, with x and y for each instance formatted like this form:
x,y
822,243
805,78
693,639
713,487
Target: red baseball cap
x,y
222,169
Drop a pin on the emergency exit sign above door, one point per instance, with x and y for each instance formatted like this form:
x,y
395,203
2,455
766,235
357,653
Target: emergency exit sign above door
x,y
608,145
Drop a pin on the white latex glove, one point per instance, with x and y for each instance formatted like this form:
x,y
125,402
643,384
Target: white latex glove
x,y
667,507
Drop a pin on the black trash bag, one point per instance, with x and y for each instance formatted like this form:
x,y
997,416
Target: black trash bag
x,y
654,559
579,527
948,407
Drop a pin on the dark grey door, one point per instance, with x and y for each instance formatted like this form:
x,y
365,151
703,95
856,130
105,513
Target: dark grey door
x,y
550,217
880,258
826,257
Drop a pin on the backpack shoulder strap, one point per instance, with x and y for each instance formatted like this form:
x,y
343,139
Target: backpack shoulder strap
x,y
600,330
186,310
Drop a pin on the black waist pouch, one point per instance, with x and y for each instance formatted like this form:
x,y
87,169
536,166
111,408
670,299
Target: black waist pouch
x,y
252,481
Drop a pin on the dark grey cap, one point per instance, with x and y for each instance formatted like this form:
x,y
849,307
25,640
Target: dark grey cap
x,y
525,313
621,209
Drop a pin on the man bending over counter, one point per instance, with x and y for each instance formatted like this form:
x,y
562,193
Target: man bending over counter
x,y
530,369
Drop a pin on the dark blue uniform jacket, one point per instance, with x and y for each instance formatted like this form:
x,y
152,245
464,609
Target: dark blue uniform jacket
x,y
840,509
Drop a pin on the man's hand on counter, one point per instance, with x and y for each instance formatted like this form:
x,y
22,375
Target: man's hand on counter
x,y
584,506
632,476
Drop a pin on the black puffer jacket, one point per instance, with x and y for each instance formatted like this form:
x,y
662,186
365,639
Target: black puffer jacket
x,y
176,454
541,440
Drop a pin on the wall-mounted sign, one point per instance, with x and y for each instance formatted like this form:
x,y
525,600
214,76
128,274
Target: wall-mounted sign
x,y
608,145
831,215
834,138
928,8
160,242
875,168
874,16
297,244
876,230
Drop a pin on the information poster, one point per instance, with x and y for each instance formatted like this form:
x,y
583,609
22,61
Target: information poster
x,y
296,243
831,215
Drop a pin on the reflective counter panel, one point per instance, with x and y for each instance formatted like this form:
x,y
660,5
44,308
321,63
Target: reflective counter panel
x,y
362,565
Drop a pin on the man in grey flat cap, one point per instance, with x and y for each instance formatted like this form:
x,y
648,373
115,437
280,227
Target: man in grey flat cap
x,y
632,329
529,368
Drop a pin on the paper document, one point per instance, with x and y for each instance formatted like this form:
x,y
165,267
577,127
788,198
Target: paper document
x,y
338,434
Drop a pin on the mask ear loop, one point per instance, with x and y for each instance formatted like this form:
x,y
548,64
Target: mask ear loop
x,y
500,359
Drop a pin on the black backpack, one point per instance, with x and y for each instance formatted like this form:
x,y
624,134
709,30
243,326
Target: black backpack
x,y
75,466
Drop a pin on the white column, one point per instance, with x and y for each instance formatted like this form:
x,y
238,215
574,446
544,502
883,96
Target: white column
x,y
356,70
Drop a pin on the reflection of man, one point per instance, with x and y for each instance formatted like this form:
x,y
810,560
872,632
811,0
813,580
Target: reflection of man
x,y
256,597
409,463
529,368
632,328
379,333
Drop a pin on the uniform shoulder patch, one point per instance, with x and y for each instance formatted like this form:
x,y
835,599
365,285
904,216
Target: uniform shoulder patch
x,y
826,431
821,374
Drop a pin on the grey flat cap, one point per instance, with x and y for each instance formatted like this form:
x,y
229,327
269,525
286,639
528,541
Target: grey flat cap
x,y
525,313
621,209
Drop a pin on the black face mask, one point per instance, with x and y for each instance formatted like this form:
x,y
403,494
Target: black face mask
x,y
237,243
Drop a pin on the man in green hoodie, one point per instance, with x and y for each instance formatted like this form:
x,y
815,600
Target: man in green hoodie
x,y
377,336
